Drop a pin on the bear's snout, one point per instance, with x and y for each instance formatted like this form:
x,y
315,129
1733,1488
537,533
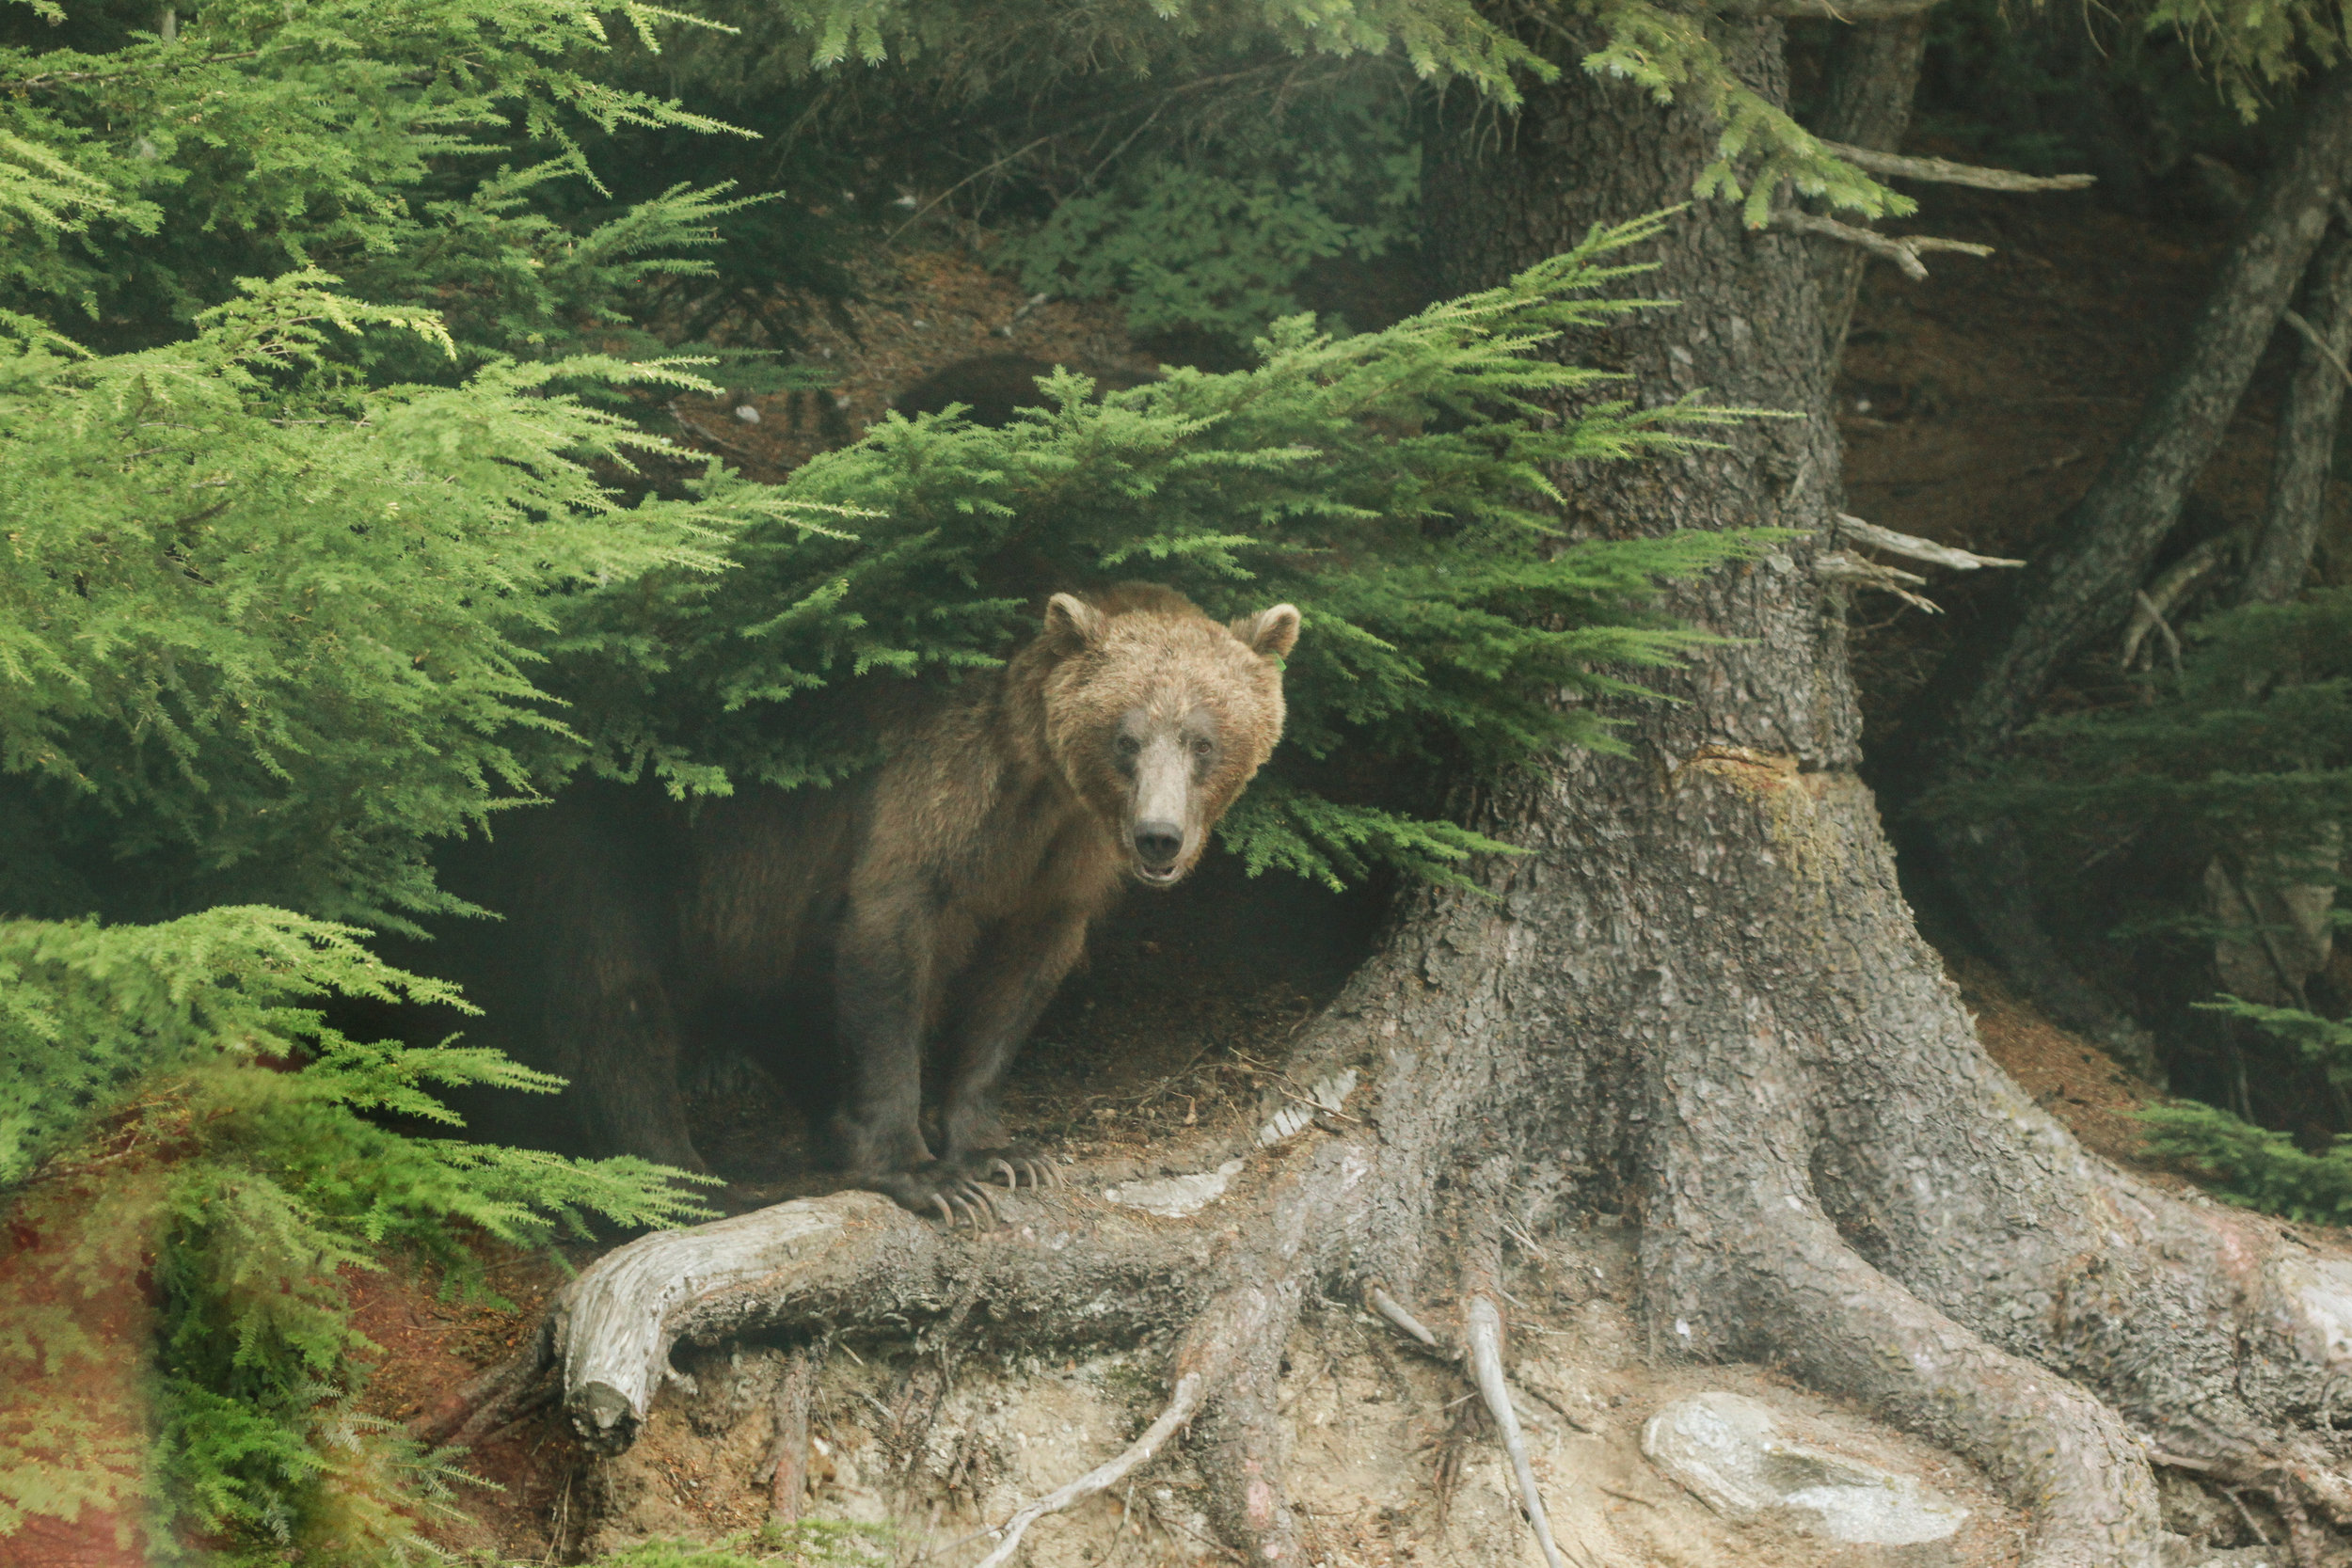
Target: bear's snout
x,y
1158,844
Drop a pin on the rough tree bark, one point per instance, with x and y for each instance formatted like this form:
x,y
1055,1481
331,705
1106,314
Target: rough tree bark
x,y
1698,995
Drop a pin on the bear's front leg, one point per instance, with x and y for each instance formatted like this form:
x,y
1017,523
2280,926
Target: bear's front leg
x,y
1014,981
885,970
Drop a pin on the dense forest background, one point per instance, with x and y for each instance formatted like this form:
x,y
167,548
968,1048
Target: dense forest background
x,y
410,411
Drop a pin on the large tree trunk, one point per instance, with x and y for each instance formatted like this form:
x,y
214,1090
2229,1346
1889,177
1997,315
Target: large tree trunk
x,y
1699,986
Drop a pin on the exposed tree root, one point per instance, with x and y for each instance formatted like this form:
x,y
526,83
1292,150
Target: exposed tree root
x,y
787,1478
1182,1405
503,1394
1483,1326
2055,1448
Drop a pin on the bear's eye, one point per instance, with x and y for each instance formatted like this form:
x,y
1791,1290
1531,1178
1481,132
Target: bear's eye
x,y
1129,745
1203,748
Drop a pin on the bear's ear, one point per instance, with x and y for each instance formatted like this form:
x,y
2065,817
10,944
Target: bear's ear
x,y
1070,619
1270,633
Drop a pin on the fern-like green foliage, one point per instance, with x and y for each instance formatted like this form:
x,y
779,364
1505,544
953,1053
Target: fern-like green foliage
x,y
2252,1167
265,632
2242,757
260,1131
149,173
1392,485
308,426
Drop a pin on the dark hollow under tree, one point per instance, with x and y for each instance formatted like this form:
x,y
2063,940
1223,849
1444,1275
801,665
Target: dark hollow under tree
x,y
1699,983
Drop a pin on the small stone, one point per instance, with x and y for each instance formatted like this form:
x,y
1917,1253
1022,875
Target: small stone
x,y
1727,1450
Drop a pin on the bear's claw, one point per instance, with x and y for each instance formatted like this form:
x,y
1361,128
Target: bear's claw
x,y
938,1188
1018,1166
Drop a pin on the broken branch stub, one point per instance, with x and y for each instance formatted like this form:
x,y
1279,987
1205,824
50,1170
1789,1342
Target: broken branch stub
x,y
1904,250
1916,549
1846,566
615,1323
1942,171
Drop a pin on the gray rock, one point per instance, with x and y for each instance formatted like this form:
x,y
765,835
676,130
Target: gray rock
x,y
1727,1450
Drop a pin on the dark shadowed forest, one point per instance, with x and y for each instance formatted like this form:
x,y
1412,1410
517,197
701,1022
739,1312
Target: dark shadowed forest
x,y
625,939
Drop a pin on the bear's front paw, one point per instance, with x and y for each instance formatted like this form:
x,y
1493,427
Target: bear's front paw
x,y
1015,1163
938,1187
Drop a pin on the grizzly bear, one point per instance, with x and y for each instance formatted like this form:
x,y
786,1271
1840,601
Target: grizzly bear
x,y
940,899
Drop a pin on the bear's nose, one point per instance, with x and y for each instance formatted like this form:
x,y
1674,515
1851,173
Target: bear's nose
x,y
1159,843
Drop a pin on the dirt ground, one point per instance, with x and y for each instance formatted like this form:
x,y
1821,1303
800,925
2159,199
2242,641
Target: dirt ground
x,y
1975,407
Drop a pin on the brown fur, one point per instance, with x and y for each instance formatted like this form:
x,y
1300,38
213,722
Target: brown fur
x,y
941,900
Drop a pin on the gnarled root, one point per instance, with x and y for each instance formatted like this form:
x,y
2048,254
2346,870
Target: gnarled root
x,y
1230,1347
503,1394
2061,1453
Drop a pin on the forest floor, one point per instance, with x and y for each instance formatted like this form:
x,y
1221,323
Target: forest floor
x,y
1974,407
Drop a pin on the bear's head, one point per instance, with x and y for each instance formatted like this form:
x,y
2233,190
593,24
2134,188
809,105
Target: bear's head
x,y
1157,716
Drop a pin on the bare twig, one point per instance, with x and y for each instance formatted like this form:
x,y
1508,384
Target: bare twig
x,y
1944,172
1846,566
1903,250
2181,1462
2173,584
2154,617
1483,1326
1917,550
2247,1515
1103,1476
980,173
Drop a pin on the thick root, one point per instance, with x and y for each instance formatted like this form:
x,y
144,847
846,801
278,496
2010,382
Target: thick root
x,y
1072,1271
1238,1445
788,1476
2062,1454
